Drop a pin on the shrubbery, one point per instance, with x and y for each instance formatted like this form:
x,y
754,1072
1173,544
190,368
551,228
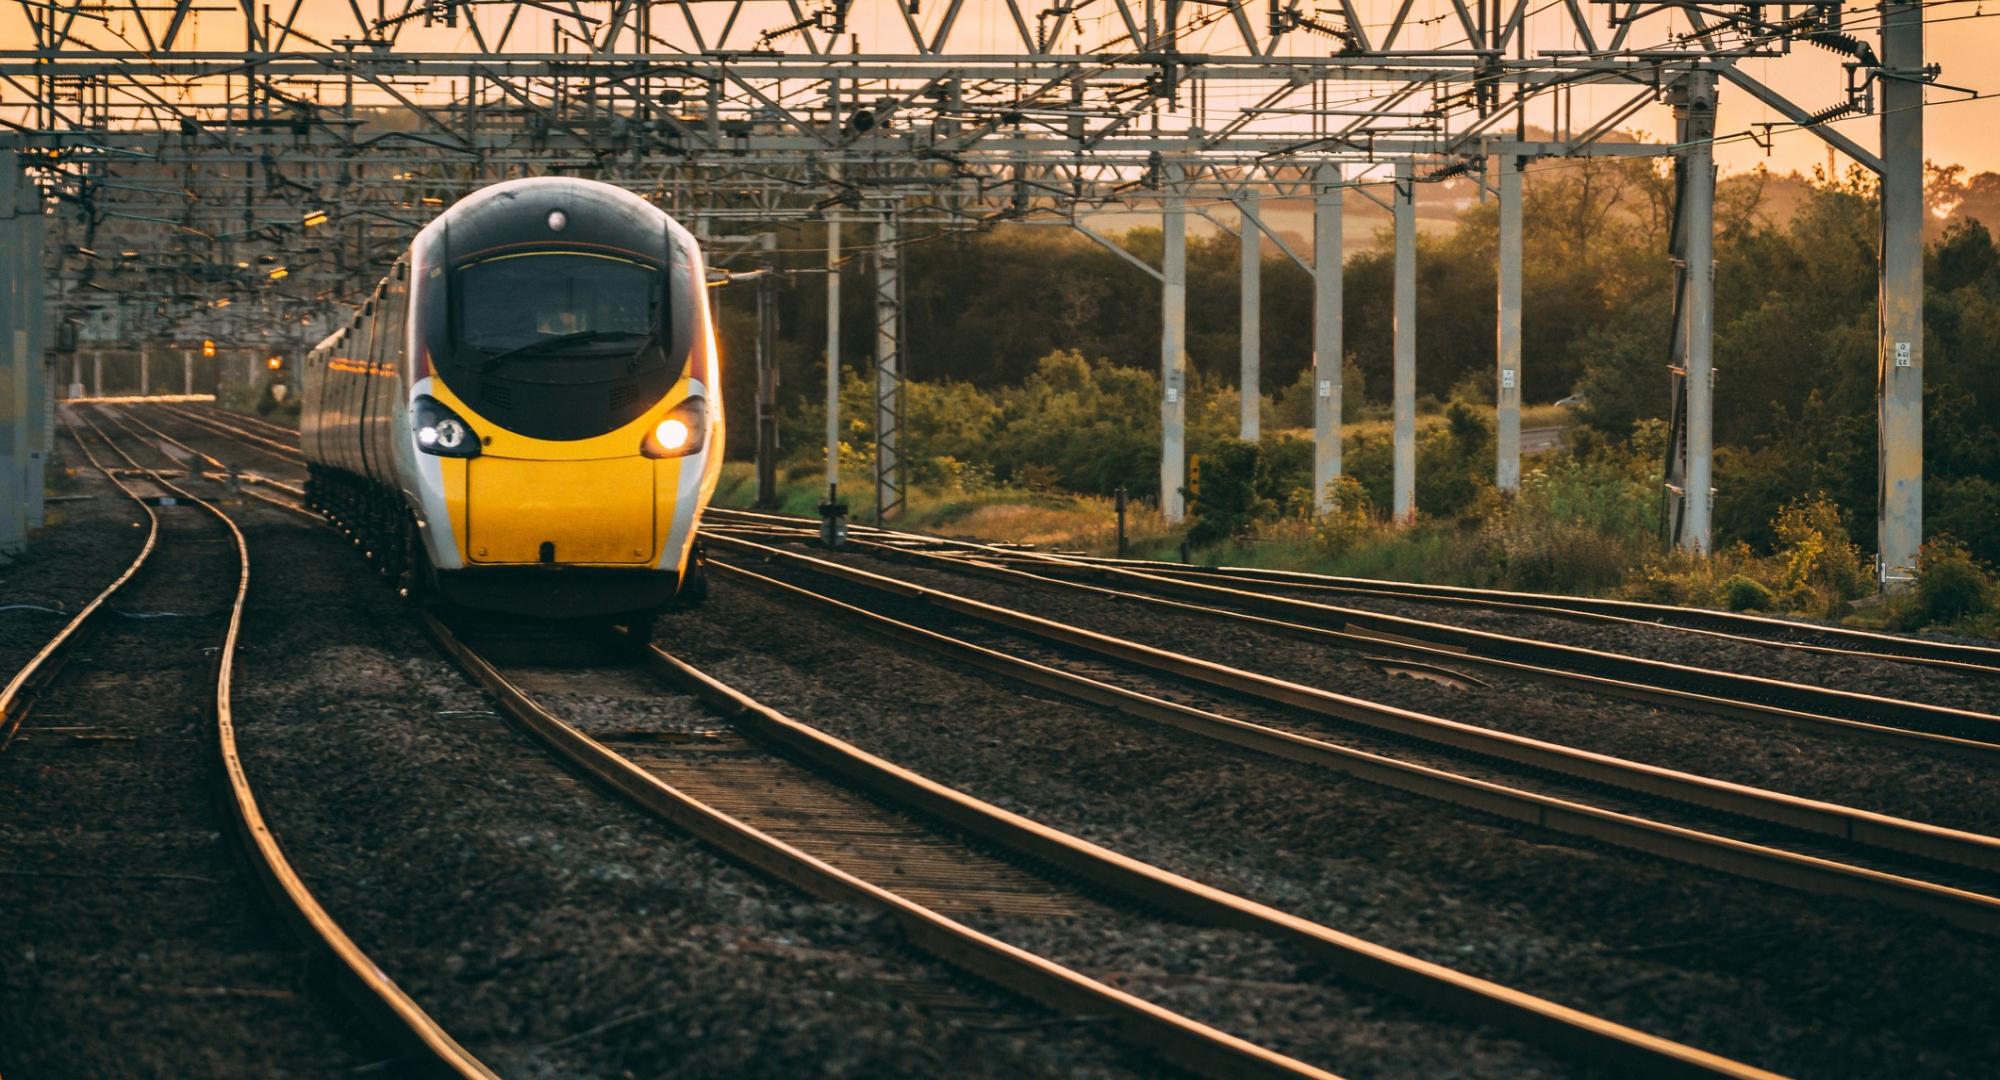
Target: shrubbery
x,y
1953,589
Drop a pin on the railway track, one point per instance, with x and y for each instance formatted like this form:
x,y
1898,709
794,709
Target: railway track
x,y
1726,625
17,697
1940,729
285,496
262,436
1826,848
821,814
396,1017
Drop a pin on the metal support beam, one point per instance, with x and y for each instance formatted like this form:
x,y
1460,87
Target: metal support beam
x,y
1328,348
1250,383
1900,363
832,357
1507,373
1173,351
888,372
1690,470
1404,389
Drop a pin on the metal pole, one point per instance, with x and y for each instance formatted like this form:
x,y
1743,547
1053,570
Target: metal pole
x,y
832,357
1507,376
888,373
187,372
1404,390
1900,366
97,372
1250,384
1328,350
1173,351
1698,214
145,368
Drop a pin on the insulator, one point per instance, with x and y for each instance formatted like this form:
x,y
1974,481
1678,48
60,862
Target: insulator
x,y
1831,112
1844,44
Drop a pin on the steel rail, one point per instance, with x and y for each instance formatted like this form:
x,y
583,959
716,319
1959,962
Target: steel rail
x,y
17,698
1757,862
1725,625
126,419
393,1012
1597,1040
242,435
1871,710
255,423
1185,1042
1861,827
1903,738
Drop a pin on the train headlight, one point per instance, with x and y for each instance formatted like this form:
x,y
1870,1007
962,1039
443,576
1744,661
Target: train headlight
x,y
681,432
672,433
440,431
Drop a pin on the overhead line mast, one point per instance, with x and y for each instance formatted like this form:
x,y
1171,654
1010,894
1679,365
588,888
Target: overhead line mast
x,y
202,157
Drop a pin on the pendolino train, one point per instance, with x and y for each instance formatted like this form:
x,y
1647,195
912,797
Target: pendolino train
x,y
525,416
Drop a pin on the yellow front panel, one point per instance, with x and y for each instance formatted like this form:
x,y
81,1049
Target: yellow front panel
x,y
592,511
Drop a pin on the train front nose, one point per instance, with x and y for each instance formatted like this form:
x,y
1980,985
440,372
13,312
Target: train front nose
x,y
599,512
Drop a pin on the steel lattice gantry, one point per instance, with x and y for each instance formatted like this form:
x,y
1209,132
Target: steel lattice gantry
x,y
192,156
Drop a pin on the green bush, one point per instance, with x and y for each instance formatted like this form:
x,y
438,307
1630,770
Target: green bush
x,y
1743,593
1230,499
1951,586
1823,568
1348,519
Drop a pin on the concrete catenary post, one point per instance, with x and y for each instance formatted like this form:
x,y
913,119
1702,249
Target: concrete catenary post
x,y
1698,218
1900,367
1507,350
1251,260
1404,384
22,380
1173,351
1327,344
832,355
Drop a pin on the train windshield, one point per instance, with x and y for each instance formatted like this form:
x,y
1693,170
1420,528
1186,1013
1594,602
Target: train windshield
x,y
557,301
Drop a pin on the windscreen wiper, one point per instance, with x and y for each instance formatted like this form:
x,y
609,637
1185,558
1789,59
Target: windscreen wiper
x,y
578,338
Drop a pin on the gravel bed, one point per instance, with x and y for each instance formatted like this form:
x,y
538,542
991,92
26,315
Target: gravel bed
x,y
1807,985
93,533
135,940
1886,678
551,929
1906,783
1239,982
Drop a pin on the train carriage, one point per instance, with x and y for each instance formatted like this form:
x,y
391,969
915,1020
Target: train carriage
x,y
525,415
